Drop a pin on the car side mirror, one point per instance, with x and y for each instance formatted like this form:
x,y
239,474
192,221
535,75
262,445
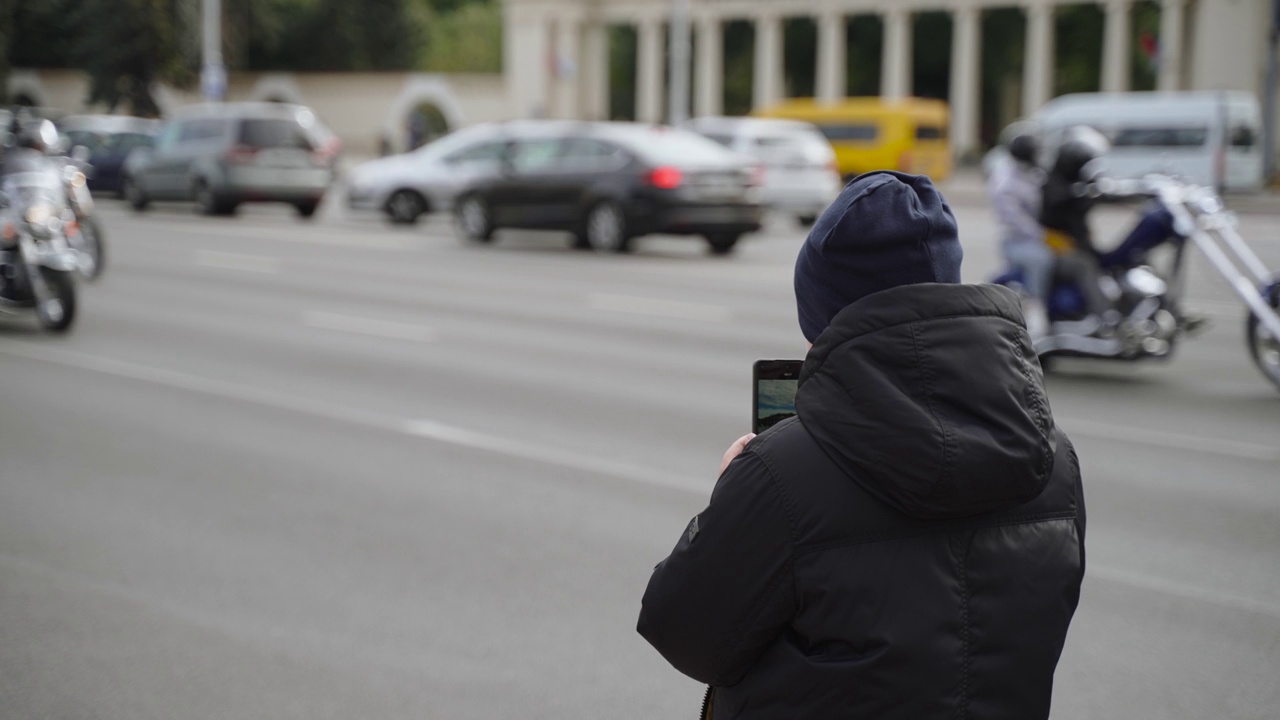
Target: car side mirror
x,y
80,154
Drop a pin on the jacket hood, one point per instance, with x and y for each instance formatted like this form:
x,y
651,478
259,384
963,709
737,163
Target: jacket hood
x,y
929,397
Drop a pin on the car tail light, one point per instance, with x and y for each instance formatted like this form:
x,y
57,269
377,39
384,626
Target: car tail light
x,y
905,162
757,176
326,152
666,177
241,154
834,167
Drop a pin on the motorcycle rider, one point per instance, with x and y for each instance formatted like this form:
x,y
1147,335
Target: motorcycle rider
x,y
32,140
1016,189
1064,213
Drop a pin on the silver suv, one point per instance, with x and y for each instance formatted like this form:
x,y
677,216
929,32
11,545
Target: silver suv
x,y
226,154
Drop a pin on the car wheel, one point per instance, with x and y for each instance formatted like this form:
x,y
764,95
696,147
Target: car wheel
x,y
404,207
307,209
208,202
722,243
473,219
606,228
806,221
134,195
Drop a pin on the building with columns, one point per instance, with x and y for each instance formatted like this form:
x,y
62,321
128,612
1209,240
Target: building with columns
x,y
557,54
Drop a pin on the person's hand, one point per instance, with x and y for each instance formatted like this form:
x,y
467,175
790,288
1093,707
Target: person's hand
x,y
735,450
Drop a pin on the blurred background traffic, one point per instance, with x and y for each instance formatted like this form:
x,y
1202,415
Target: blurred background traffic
x,y
362,358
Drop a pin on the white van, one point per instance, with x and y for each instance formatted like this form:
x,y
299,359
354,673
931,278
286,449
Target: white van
x,y
1208,138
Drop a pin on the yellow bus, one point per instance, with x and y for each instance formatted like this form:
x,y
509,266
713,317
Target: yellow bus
x,y
909,135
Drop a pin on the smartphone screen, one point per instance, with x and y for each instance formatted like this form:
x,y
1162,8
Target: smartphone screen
x,y
775,383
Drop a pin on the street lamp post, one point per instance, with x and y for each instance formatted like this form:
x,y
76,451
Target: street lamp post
x,y
213,74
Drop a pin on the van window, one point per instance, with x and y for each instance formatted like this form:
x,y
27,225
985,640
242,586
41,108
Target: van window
x,y
270,133
1243,136
1161,137
837,133
929,132
199,130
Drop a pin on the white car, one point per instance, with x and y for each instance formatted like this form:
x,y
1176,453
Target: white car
x,y
797,162
427,180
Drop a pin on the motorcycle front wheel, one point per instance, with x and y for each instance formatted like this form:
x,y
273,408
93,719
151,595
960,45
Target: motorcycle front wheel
x,y
58,312
91,239
1265,348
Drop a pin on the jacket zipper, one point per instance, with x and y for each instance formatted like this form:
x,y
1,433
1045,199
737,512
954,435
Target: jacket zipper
x,y
706,704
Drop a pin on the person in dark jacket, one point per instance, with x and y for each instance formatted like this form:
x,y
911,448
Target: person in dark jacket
x,y
911,544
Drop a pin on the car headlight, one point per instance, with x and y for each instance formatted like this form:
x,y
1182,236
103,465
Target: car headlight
x,y
39,214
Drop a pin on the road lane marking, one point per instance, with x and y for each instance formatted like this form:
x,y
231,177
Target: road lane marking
x,y
1175,441
301,235
442,433
1151,583
422,429
367,326
657,307
236,261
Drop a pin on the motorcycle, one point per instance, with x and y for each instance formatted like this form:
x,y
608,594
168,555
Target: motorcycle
x,y
1149,300
88,240
38,266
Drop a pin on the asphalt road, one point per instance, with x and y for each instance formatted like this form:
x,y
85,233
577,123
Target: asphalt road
x,y
338,470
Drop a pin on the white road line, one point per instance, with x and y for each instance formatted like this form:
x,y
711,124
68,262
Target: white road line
x,y
1182,590
304,235
237,261
657,307
452,435
1173,441
425,429
367,326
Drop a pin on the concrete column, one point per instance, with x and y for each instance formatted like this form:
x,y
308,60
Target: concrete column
x,y
832,52
594,71
709,79
768,61
566,66
649,72
966,83
1037,79
1172,31
527,62
895,75
1116,50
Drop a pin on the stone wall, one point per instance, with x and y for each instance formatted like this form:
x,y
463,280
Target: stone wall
x,y
362,108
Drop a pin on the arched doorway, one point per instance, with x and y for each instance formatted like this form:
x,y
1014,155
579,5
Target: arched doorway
x,y
424,123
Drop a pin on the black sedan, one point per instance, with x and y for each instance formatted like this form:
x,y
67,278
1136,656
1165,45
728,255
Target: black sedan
x,y
608,183
109,140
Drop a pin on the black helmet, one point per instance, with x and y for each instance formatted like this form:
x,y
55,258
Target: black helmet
x,y
1081,145
37,134
1024,148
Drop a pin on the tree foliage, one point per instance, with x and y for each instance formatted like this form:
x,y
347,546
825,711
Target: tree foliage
x,y
464,37
127,46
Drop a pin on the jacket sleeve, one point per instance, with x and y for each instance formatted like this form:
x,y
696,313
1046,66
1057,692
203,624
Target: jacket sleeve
x,y
725,593
1022,221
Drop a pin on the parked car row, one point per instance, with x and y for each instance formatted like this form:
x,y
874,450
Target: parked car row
x,y
608,183
604,183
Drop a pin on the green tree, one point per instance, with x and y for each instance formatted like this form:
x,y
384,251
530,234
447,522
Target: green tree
x,y
467,38
127,46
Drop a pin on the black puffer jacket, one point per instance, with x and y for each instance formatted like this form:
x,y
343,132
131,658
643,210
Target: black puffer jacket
x,y
911,546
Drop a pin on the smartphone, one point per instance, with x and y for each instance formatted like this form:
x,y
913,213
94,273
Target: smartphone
x,y
774,385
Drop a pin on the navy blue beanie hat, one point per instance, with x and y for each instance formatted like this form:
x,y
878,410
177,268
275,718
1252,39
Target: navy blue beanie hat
x,y
884,230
